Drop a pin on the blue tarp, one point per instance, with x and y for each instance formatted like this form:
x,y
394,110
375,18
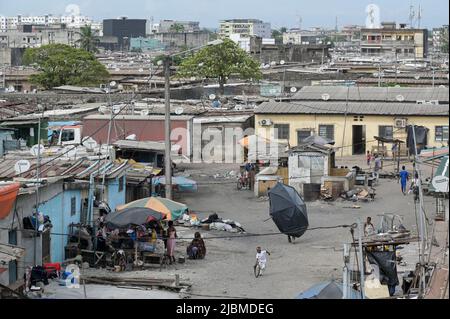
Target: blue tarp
x,y
328,290
183,184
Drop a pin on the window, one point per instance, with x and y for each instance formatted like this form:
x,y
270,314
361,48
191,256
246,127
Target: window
x,y
441,133
386,131
326,131
282,131
68,135
302,134
12,237
73,206
121,180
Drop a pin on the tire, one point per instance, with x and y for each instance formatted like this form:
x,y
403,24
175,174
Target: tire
x,y
257,270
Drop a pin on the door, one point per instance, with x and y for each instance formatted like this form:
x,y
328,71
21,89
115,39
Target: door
x,y
359,139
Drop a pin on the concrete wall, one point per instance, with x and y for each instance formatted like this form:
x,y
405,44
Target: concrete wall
x,y
191,40
372,123
300,171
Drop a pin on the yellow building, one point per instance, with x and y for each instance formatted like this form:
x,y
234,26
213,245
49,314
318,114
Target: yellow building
x,y
352,125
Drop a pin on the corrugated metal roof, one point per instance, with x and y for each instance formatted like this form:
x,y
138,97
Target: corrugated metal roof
x,y
141,145
358,108
388,94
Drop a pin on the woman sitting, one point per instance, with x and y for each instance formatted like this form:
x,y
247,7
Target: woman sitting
x,y
197,249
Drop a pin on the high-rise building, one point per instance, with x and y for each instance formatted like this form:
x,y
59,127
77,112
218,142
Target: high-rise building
x,y
124,29
245,27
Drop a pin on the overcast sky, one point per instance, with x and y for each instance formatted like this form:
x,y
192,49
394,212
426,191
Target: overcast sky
x,y
209,12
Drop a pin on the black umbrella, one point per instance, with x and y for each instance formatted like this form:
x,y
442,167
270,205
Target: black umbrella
x,y
288,210
134,216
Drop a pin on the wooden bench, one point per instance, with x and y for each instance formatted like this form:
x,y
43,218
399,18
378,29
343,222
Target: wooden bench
x,y
153,258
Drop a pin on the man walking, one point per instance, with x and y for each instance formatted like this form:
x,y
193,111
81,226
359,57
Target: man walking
x,y
404,176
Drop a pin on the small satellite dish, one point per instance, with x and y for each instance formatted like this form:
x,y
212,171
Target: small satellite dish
x,y
35,149
90,143
120,87
102,109
212,96
22,166
11,89
160,62
69,151
144,113
442,86
417,77
116,109
282,62
325,96
400,98
131,137
238,107
141,70
397,86
293,89
112,83
266,66
179,111
273,63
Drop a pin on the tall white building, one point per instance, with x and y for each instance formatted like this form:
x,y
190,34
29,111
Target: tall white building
x,y
72,21
245,28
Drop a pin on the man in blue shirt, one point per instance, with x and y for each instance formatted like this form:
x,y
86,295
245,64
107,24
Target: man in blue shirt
x,y
404,176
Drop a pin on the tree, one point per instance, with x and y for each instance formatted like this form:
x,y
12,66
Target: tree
x,y
88,40
61,64
177,28
220,62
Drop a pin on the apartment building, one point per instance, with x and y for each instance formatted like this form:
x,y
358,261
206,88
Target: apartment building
x,y
390,40
72,21
168,26
245,27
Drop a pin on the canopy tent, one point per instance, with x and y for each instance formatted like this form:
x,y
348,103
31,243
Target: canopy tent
x,y
134,216
181,183
329,290
170,209
288,210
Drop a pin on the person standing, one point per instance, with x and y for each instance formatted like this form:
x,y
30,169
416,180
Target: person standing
x,y
369,228
377,167
404,176
171,241
368,158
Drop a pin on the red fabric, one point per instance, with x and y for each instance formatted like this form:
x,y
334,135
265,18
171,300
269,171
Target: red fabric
x,y
52,266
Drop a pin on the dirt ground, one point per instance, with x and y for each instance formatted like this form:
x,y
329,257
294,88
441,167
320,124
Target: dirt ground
x,y
227,272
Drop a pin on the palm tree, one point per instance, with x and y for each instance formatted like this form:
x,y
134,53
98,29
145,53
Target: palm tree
x,y
88,40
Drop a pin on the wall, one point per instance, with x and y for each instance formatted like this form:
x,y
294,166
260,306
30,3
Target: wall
x,y
299,175
59,211
191,40
4,135
25,207
116,197
371,122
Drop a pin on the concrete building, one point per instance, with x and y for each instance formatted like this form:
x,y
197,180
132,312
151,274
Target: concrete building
x,y
296,36
438,40
183,39
72,21
390,40
124,29
167,26
354,124
245,27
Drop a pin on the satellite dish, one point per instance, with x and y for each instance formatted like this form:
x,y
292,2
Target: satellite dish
x,y
179,111
116,109
397,86
38,148
90,143
273,63
282,62
325,96
212,96
69,151
112,83
22,166
131,137
238,107
442,86
400,98
11,89
417,77
144,113
266,66
141,70
293,89
120,87
102,109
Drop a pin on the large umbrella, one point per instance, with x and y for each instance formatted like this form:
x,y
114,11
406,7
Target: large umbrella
x,y
288,210
329,290
170,209
134,216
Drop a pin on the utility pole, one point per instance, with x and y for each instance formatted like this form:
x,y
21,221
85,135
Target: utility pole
x,y
38,164
167,157
361,259
422,229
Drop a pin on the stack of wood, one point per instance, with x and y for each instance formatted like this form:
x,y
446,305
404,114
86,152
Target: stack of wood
x,y
158,283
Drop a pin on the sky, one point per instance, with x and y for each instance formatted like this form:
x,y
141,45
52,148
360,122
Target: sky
x,y
278,12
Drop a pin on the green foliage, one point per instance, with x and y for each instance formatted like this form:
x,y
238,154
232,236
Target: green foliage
x,y
61,64
220,62
176,27
88,40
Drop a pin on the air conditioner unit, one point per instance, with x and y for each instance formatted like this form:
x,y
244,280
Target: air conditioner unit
x,y
400,123
265,122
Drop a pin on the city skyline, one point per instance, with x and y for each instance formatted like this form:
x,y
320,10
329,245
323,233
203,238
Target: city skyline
x,y
285,13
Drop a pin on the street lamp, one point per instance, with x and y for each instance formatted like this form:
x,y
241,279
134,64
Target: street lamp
x,y
167,156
